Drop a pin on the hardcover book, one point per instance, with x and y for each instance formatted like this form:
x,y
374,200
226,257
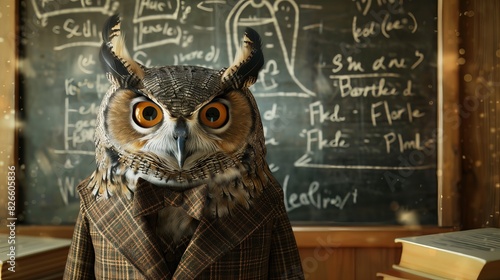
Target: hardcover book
x,y
469,254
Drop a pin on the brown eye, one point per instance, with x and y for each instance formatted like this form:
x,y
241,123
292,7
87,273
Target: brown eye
x,y
147,114
214,115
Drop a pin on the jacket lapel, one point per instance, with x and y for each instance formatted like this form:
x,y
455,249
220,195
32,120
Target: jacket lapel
x,y
129,234
215,237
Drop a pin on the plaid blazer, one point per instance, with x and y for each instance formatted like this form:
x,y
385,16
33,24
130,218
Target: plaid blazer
x,y
110,242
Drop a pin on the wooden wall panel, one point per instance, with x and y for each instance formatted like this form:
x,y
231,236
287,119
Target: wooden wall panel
x,y
369,261
352,252
328,263
347,263
480,112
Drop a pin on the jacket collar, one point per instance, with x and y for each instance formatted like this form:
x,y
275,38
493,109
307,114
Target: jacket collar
x,y
149,199
212,238
114,219
215,237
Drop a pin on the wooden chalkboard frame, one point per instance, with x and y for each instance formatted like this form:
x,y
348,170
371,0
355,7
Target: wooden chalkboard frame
x,y
8,101
448,118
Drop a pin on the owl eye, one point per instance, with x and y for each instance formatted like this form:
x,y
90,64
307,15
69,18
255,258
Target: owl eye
x,y
214,115
147,114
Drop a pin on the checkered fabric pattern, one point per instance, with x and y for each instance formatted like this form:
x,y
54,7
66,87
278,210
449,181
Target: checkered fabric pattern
x,y
111,241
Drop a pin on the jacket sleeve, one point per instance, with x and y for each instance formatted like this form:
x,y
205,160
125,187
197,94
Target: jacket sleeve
x,y
80,262
284,256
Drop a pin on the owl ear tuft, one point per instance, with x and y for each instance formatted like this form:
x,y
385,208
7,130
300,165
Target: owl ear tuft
x,y
114,55
246,66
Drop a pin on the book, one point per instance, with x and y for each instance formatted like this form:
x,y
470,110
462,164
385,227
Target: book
x,y
30,257
411,274
468,254
402,274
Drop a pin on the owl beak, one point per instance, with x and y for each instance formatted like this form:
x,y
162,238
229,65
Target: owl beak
x,y
181,156
180,136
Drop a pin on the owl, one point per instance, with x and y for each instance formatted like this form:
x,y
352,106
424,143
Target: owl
x,y
193,135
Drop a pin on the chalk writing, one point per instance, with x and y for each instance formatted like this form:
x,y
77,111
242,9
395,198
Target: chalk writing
x,y
388,25
67,186
406,113
78,130
316,197
364,6
86,64
378,88
316,140
402,144
208,57
317,114
382,63
81,33
144,31
269,141
97,84
80,120
146,10
282,20
51,8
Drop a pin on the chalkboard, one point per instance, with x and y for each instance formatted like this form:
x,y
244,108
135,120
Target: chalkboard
x,y
348,97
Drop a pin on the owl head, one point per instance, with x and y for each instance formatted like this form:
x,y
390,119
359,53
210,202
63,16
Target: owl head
x,y
178,126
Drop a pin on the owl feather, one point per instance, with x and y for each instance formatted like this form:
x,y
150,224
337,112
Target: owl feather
x,y
248,61
114,54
